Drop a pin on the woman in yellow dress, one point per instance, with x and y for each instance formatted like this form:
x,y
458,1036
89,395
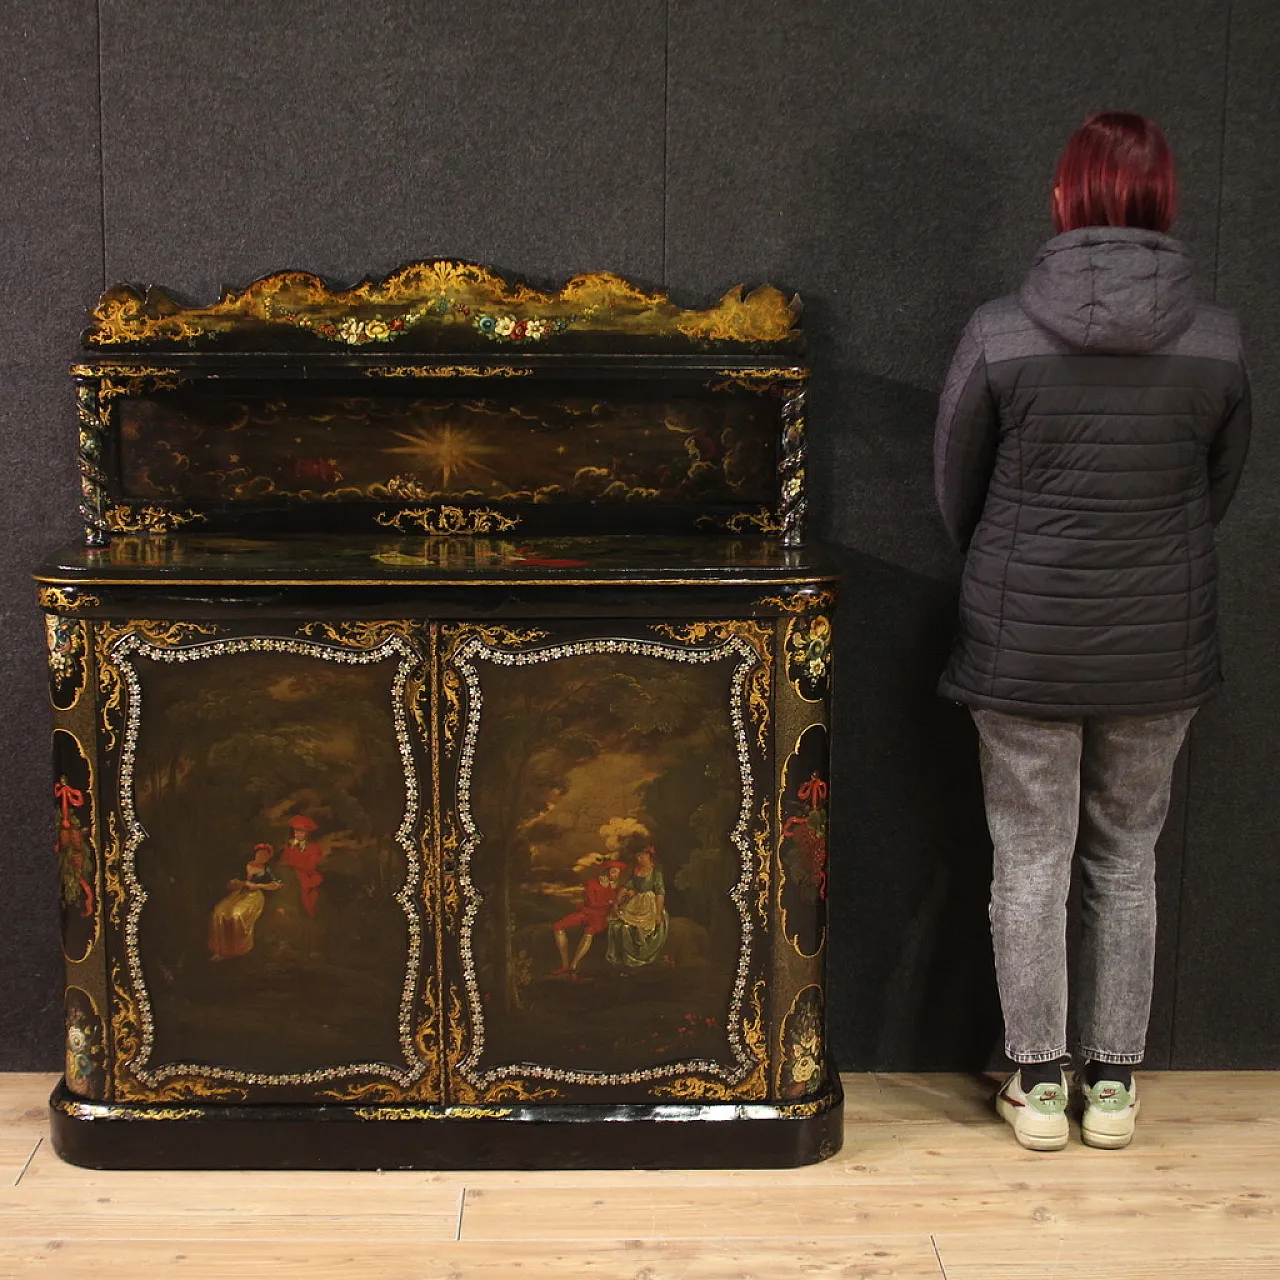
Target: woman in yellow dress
x,y
232,923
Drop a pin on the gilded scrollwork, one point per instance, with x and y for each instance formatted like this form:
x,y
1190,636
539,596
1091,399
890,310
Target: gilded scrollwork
x,y
758,380
447,519
110,686
361,634
812,600
449,371
134,382
695,1089
517,1090
765,520
66,599
759,681
444,296
443,1112
113,884
123,518
764,862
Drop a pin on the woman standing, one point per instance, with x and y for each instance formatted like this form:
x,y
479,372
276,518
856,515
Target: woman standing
x,y
1090,435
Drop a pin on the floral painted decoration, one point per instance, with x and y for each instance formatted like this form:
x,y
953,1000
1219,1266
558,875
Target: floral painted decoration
x,y
83,1050
809,650
802,1073
356,332
510,328
66,641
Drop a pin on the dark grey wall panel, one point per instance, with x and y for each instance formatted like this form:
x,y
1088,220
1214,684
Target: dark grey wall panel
x,y
1228,1012
51,251
893,163
241,138
889,159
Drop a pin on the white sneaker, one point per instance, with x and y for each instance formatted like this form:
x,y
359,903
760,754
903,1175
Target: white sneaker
x,y
1038,1117
1110,1111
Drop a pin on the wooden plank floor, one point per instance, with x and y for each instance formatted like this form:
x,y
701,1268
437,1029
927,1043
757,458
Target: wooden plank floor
x,y
929,1185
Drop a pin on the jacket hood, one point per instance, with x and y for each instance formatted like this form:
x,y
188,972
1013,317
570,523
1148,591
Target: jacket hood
x,y
1111,289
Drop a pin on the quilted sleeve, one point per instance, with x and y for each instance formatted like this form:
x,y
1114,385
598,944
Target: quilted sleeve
x,y
964,441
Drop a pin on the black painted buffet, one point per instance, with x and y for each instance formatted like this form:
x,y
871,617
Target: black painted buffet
x,y
440,731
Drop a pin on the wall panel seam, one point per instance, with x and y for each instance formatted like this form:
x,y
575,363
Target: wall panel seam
x,y
666,127
1222,151
102,154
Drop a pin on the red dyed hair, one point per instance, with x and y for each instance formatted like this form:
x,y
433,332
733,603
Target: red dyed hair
x,y
1116,171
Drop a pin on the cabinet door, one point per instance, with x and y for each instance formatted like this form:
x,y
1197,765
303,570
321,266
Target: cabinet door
x,y
606,850
270,911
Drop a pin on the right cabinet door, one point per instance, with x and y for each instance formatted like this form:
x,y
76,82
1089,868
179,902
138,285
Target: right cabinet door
x,y
607,845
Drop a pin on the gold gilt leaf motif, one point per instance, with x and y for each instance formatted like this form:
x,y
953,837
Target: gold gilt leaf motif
x,y
126,1037
764,521
360,635
374,1091
800,602
757,380
695,1089
92,1110
442,295
443,1112
448,371
61,598
764,861
451,687
126,1034
447,520
517,1090
111,862
759,681
450,843
138,382
753,1032
451,682
149,519
110,685
462,1090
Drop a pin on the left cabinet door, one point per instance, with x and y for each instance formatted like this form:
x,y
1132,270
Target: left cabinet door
x,y
266,860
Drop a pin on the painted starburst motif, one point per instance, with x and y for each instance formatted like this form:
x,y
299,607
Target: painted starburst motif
x,y
450,454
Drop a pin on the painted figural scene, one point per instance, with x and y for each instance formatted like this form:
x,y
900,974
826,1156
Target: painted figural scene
x,y
270,787
606,790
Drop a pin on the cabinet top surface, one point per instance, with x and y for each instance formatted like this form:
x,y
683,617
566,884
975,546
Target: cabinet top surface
x,y
372,560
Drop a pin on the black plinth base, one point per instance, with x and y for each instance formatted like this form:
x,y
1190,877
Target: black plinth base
x,y
680,1135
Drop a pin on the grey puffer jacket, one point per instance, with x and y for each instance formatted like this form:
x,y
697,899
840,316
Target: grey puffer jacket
x,y
1091,433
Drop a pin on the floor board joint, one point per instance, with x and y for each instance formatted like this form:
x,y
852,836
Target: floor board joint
x,y
23,1171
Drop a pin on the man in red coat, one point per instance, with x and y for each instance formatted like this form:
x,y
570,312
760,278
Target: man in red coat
x,y
304,855
592,916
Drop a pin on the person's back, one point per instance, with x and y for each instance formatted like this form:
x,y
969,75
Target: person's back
x,y
1090,434
1118,422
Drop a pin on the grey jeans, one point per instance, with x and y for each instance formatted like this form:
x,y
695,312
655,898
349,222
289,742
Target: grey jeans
x,y
1097,787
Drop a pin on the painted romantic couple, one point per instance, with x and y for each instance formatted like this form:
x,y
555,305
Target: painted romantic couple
x,y
625,897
